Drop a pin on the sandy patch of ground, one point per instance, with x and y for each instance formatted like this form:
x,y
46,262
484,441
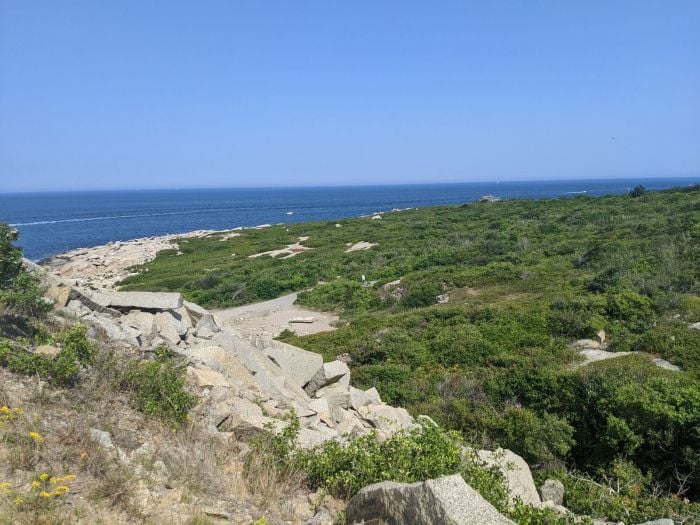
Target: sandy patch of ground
x,y
261,321
289,251
361,246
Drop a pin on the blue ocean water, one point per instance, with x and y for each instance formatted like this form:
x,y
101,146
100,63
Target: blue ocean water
x,y
51,223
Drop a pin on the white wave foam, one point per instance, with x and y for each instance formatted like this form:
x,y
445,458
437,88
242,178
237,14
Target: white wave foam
x,y
106,217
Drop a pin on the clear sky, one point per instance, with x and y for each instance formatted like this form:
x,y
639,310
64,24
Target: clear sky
x,y
144,94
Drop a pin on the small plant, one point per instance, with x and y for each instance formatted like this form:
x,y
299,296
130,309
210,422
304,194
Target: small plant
x,y
157,387
272,467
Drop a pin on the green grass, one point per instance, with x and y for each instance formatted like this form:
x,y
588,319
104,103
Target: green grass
x,y
524,279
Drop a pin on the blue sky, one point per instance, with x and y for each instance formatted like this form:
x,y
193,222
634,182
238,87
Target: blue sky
x,y
135,94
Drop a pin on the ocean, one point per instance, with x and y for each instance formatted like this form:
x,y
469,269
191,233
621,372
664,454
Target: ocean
x,y
51,223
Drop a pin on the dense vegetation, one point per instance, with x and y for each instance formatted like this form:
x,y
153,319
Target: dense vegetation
x,y
423,453
524,278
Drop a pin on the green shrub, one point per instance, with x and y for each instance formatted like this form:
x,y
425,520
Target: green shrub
x,y
420,454
623,493
342,295
422,293
75,353
267,288
157,387
529,515
538,438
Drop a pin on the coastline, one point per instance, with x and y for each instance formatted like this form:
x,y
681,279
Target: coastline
x,y
101,267
54,223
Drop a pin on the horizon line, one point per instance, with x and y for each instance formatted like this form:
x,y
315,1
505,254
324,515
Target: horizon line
x,y
311,186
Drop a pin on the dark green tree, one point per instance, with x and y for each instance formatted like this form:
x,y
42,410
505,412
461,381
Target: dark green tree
x,y
638,191
10,257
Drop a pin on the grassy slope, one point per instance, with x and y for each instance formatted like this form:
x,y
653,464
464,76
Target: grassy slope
x,y
524,278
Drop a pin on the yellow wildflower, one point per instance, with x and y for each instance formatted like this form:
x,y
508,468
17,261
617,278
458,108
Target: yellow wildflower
x,y
36,484
63,479
5,487
5,410
18,501
36,437
44,477
60,490
45,494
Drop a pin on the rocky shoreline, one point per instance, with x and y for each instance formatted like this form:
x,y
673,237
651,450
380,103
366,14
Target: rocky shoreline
x,y
101,267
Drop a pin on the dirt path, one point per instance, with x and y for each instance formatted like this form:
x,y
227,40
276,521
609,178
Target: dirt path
x,y
267,319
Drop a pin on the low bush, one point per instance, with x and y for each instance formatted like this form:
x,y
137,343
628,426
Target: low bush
x,y
157,387
336,296
420,454
75,353
622,493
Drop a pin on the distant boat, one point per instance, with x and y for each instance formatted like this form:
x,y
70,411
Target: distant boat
x,y
290,213
489,198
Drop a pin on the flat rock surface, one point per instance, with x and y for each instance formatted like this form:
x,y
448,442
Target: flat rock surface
x,y
146,300
268,319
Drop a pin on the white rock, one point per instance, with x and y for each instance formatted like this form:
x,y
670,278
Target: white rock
x,y
203,377
115,331
145,300
169,327
373,394
206,327
314,436
329,373
338,398
142,321
77,308
300,365
322,409
443,501
516,473
195,311
552,490
387,419
102,438
662,363
359,398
